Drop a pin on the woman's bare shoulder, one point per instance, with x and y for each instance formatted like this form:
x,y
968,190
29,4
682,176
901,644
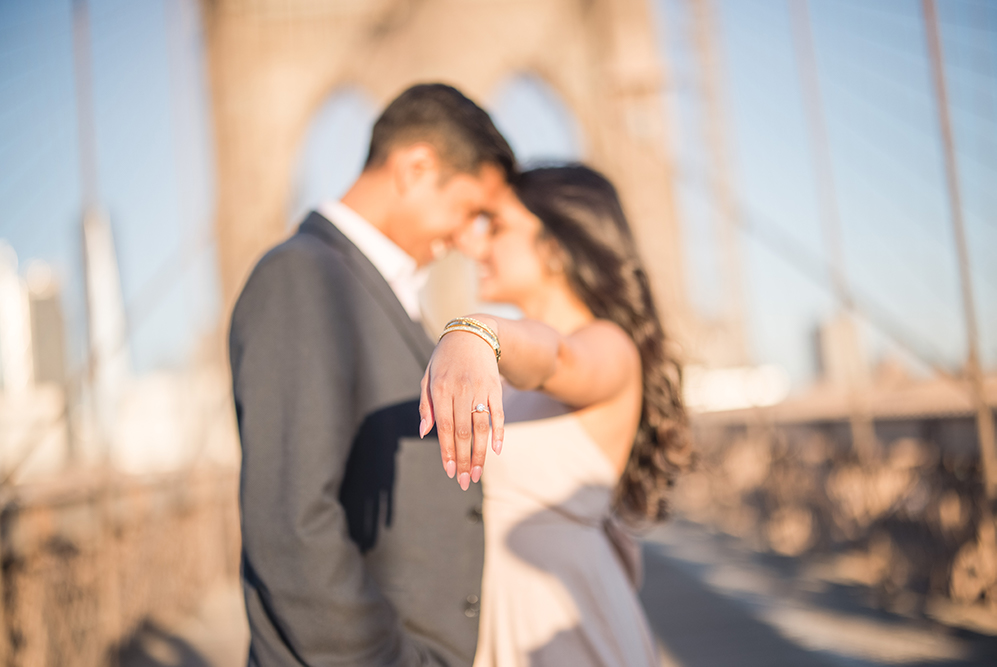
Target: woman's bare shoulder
x,y
610,337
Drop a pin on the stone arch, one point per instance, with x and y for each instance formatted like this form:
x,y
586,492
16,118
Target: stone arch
x,y
559,128
273,63
331,150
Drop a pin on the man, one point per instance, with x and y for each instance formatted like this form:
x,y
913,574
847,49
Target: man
x,y
357,549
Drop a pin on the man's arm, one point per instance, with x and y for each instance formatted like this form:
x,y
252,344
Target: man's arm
x,y
293,370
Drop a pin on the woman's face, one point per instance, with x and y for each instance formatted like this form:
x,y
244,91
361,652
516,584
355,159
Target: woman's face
x,y
513,259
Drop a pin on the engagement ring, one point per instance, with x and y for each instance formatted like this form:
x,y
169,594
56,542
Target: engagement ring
x,y
480,407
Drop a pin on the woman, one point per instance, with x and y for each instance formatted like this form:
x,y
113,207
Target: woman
x,y
596,424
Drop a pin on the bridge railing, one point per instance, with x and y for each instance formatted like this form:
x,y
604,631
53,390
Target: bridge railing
x,y
907,521
87,561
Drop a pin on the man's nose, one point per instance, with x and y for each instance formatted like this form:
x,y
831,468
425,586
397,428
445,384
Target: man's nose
x,y
472,239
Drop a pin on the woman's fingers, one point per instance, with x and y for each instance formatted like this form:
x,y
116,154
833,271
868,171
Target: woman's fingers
x,y
428,415
442,405
462,407
488,419
498,420
425,406
481,427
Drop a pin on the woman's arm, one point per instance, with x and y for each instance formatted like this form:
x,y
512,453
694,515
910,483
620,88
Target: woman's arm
x,y
586,367
591,365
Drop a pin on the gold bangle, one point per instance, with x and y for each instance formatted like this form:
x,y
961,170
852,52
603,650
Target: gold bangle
x,y
477,332
479,329
485,331
475,323
470,321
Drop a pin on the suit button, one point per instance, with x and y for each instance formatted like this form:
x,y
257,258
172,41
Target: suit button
x,y
474,515
472,606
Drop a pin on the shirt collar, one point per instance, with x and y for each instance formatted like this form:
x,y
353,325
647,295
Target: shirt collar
x,y
397,267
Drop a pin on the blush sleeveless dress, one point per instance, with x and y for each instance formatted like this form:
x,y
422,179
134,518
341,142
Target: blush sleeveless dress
x,y
558,587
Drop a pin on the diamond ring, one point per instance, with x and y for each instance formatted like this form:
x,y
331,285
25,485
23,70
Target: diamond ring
x,y
480,407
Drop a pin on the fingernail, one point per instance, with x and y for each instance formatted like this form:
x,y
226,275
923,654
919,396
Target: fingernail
x,y
465,480
498,446
475,474
451,469
422,428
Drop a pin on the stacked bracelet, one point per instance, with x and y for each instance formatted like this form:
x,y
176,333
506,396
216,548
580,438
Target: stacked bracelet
x,y
478,328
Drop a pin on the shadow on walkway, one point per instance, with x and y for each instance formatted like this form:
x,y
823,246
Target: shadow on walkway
x,y
714,605
699,627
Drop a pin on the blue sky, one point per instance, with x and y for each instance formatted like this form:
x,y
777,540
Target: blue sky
x,y
155,163
153,160
882,127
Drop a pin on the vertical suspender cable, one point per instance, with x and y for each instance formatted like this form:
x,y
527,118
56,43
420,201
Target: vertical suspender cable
x,y
862,428
984,414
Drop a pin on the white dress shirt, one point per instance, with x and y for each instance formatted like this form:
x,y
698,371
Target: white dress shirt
x,y
400,271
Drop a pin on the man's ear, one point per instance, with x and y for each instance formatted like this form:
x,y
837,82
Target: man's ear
x,y
414,165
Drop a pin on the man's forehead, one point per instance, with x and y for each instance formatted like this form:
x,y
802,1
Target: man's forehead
x,y
487,184
488,174
493,173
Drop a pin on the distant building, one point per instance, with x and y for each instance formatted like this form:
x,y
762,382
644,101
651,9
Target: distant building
x,y
34,438
840,356
48,327
110,368
16,357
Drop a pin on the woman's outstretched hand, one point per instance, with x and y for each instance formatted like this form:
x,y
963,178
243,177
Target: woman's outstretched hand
x,y
462,376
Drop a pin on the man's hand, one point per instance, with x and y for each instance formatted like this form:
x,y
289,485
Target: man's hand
x,y
463,374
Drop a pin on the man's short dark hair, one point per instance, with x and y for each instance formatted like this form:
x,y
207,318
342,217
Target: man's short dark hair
x,y
461,132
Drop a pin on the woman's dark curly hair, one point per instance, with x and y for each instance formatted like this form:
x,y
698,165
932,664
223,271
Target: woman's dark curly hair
x,y
581,211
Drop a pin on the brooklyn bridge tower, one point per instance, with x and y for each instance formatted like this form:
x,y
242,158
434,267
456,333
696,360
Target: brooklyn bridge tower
x,y
274,62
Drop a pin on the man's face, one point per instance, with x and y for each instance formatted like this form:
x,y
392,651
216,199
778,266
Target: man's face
x,y
440,210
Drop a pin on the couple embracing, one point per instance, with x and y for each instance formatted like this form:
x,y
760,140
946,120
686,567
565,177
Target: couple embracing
x,y
365,543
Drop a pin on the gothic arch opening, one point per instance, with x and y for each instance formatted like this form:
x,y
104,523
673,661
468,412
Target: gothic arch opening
x,y
332,151
272,61
539,125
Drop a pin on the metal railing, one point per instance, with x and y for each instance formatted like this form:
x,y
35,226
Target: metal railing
x,y
88,560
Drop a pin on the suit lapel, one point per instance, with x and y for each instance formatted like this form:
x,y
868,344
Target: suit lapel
x,y
413,333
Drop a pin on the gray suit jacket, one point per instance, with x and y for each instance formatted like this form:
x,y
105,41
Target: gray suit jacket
x,y
357,548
